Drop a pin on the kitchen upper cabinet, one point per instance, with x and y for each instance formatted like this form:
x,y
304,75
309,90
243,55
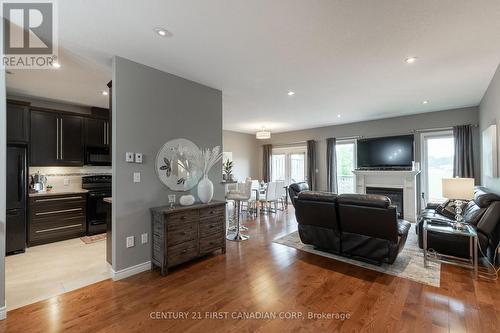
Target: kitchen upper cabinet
x,y
56,139
44,139
71,140
17,122
96,132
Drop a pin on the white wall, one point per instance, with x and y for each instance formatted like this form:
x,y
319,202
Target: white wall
x,y
489,114
245,151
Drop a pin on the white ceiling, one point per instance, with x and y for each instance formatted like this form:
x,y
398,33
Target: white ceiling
x,y
340,57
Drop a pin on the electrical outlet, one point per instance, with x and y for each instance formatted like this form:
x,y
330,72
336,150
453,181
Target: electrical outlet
x,y
144,238
129,157
138,157
137,177
130,241
66,181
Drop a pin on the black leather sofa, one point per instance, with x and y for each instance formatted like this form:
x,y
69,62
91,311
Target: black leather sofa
x,y
482,213
362,226
294,190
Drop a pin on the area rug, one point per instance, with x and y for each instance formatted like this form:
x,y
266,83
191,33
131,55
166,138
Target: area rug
x,y
409,263
93,239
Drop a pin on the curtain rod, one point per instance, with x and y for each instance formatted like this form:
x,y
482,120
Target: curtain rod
x,y
438,128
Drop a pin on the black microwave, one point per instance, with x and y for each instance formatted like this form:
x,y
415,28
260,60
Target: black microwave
x,y
97,156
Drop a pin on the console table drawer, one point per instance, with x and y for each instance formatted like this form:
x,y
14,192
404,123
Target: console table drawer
x,y
212,212
212,243
183,217
211,226
182,253
180,234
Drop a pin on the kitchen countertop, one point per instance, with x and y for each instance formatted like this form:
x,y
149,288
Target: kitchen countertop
x,y
108,199
45,193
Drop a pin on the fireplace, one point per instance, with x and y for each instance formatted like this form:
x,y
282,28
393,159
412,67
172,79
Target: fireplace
x,y
395,194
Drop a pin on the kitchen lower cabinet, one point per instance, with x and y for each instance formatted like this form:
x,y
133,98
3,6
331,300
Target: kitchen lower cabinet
x,y
56,217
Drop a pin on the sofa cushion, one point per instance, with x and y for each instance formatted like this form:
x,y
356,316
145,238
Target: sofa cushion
x,y
318,196
483,198
367,200
431,214
473,213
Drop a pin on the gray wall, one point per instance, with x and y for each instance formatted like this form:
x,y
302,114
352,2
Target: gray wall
x,y
149,108
382,127
489,113
246,155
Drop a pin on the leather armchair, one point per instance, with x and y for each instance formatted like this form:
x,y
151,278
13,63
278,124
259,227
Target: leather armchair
x,y
361,226
482,213
294,190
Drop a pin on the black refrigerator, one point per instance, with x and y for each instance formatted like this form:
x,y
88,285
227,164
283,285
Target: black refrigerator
x,y
16,199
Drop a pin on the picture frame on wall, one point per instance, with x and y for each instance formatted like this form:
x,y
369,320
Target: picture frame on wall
x,y
490,151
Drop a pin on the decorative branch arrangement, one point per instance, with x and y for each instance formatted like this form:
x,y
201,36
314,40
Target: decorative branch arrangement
x,y
205,159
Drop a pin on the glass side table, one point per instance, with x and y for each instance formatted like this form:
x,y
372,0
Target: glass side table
x,y
469,232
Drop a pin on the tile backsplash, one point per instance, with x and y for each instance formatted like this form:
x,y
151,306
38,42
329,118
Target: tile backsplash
x,y
68,178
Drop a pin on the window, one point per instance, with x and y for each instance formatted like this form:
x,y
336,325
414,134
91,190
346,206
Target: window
x,y
346,162
437,163
289,164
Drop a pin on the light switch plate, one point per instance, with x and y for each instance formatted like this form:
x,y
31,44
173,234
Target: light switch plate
x,y
66,181
129,157
138,157
137,177
144,238
130,241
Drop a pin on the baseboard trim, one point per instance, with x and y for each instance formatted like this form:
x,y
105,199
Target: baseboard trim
x,y
3,312
129,271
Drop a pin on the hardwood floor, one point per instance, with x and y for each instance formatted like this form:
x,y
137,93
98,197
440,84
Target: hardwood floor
x,y
257,276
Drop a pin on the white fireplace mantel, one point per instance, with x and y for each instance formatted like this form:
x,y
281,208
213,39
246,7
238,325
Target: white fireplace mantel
x,y
404,179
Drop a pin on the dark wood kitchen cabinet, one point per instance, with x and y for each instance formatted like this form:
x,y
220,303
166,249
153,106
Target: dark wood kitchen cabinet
x,y
56,139
97,132
18,115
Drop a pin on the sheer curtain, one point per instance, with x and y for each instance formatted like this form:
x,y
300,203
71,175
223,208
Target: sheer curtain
x,y
331,165
311,164
463,161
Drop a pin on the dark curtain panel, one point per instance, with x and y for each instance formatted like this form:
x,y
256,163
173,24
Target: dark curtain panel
x,y
463,163
266,162
331,165
311,164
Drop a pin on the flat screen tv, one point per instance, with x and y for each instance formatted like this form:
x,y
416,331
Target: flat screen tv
x,y
392,152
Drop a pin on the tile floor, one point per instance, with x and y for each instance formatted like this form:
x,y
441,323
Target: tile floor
x,y
49,270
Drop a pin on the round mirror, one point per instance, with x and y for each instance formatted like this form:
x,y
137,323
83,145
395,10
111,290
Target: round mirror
x,y
175,165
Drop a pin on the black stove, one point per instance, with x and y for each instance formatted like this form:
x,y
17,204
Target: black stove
x,y
99,187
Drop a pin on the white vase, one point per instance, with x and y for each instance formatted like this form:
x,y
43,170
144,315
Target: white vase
x,y
187,200
205,190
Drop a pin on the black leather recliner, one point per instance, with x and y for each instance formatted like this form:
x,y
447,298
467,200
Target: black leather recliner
x,y
363,226
482,213
295,189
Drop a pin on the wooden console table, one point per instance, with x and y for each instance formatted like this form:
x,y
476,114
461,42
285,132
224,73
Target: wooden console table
x,y
181,234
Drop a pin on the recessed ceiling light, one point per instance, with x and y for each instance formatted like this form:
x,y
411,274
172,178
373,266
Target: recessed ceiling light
x,y
425,102
411,60
291,93
104,93
55,64
338,116
162,32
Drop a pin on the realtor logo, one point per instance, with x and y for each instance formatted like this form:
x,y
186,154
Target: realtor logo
x,y
29,34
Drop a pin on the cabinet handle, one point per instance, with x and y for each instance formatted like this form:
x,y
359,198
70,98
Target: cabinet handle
x,y
59,211
58,199
57,138
107,133
104,133
62,139
58,228
183,251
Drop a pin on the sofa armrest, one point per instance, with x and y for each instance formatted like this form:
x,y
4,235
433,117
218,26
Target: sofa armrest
x,y
432,205
403,227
